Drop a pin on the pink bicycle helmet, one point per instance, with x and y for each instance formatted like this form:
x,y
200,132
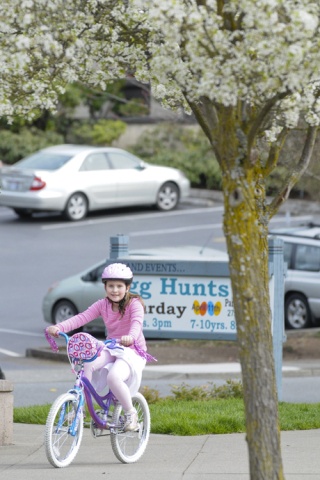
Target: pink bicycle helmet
x,y
117,271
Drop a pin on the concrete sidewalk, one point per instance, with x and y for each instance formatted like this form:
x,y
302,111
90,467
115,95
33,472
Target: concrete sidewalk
x,y
219,457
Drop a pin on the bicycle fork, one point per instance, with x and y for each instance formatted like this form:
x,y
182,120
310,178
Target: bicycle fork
x,y
77,416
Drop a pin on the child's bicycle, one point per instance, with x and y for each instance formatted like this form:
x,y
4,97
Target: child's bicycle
x,y
65,422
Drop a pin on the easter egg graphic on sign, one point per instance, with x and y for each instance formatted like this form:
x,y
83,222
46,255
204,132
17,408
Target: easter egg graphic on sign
x,y
210,308
196,307
217,308
203,308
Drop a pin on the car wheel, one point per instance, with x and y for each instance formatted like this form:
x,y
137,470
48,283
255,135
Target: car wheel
x,y
76,208
168,196
297,311
23,212
62,311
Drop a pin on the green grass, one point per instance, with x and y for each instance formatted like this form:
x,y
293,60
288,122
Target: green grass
x,y
199,417
36,414
301,416
194,417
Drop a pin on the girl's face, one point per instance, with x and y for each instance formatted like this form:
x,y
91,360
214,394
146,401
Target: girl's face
x,y
116,290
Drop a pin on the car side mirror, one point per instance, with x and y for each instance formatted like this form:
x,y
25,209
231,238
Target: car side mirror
x,y
141,166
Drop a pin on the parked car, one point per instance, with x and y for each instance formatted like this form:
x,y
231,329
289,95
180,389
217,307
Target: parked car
x,y
77,292
302,283
76,179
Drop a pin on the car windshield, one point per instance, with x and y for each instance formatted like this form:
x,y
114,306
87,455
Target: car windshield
x,y
44,161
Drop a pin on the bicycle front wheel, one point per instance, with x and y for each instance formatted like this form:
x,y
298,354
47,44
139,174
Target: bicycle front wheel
x,y
62,437
128,447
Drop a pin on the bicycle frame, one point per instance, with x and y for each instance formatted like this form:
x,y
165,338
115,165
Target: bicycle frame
x,y
84,389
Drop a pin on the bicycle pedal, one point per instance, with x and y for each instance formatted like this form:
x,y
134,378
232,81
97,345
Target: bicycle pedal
x,y
102,433
99,432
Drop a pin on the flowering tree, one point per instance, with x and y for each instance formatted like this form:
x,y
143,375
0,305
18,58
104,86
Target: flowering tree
x,y
247,69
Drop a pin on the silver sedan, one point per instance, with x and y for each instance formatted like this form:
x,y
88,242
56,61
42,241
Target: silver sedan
x,y
75,179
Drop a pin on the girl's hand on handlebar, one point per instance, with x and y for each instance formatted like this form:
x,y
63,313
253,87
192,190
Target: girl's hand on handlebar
x,y
53,331
126,340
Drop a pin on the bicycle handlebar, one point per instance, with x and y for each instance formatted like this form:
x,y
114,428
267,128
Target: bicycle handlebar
x,y
53,344
112,343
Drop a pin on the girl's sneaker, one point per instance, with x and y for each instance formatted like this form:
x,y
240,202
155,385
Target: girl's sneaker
x,y
131,421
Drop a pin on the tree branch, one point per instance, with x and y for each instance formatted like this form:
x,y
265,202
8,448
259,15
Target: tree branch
x,y
274,152
205,114
262,116
297,173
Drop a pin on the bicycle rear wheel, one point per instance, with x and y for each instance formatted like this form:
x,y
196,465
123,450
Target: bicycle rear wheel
x,y
60,445
128,447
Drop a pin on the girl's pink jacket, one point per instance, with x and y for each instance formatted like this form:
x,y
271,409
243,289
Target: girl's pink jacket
x,y
130,324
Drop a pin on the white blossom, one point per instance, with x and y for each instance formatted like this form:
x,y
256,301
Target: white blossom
x,y
308,21
180,48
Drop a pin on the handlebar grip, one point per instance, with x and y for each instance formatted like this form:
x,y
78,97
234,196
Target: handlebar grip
x,y
51,341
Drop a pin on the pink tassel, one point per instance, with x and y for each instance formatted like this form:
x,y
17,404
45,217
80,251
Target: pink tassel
x,y
51,341
145,355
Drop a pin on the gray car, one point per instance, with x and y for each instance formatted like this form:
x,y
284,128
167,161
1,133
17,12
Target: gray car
x,y
302,293
302,283
75,179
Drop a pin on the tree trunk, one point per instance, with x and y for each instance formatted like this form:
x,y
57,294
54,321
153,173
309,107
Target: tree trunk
x,y
247,244
246,220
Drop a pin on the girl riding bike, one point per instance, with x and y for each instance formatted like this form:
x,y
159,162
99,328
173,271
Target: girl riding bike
x,y
122,313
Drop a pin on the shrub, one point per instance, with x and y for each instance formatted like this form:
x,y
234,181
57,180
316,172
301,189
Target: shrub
x,y
230,389
151,395
14,146
185,148
103,132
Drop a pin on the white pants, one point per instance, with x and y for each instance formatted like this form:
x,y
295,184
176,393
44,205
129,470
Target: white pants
x,y
120,370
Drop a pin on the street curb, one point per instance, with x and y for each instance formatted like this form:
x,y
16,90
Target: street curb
x,y
47,354
291,206
203,197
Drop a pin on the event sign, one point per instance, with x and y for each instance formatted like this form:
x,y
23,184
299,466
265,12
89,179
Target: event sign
x,y
185,299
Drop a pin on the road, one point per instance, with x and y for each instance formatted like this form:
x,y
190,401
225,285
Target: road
x,y
37,252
